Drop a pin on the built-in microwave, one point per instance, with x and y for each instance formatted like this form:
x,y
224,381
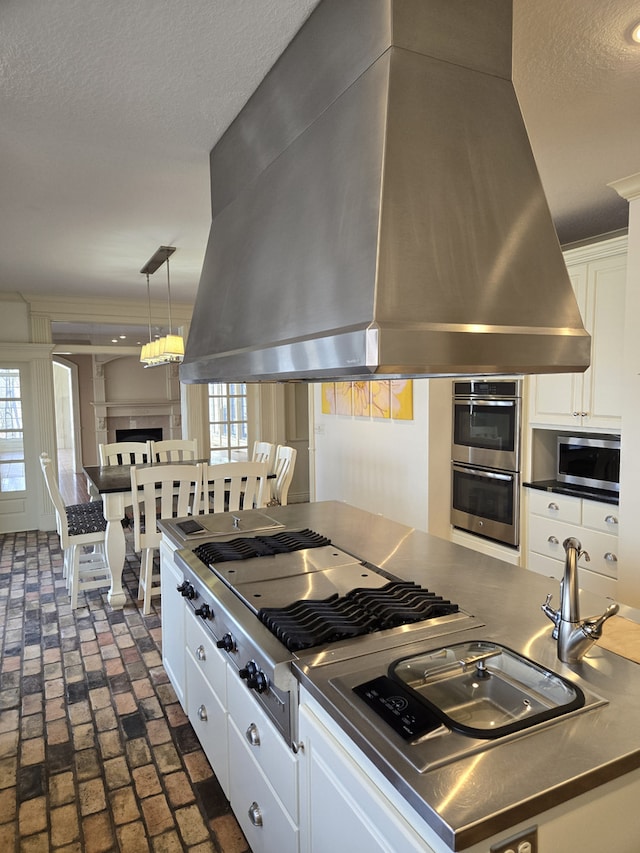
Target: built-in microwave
x,y
589,461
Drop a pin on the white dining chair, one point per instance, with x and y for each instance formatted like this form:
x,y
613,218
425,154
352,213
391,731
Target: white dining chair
x,y
125,453
232,486
285,462
162,491
174,450
264,451
80,527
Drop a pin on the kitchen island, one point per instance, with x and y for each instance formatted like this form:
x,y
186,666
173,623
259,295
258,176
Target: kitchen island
x,y
576,778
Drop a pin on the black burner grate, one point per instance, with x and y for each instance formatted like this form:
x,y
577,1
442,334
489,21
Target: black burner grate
x,y
284,542
309,623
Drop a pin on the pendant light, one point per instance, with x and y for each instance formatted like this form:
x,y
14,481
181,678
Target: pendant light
x,y
170,349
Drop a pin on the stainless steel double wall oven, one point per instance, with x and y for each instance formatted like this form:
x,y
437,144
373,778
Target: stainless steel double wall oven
x,y
485,454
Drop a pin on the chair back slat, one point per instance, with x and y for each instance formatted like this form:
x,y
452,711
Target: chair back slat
x,y
125,453
232,486
56,499
174,450
264,451
284,466
165,491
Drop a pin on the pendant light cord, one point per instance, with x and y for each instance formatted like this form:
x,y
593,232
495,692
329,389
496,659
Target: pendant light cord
x,y
169,297
149,305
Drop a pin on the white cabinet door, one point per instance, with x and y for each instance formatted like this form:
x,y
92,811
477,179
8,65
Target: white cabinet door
x,y
208,717
557,397
602,383
341,808
173,622
263,818
592,399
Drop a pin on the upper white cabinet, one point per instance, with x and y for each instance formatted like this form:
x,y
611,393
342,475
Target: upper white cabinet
x,y
591,400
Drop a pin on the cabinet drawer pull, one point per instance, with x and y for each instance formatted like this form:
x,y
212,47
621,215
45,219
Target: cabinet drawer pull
x,y
610,558
553,540
554,507
255,814
202,714
200,653
610,519
253,735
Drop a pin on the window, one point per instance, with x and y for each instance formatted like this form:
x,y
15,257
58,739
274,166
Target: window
x,y
12,466
228,421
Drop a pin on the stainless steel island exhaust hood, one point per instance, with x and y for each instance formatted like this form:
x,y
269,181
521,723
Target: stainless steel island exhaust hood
x,y
377,210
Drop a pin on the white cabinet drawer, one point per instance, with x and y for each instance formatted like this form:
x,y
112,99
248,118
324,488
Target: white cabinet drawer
x,y
587,580
600,516
603,552
547,566
546,536
208,658
209,721
558,507
264,742
262,817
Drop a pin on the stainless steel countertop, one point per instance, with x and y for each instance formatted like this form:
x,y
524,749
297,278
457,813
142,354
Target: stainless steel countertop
x,y
512,779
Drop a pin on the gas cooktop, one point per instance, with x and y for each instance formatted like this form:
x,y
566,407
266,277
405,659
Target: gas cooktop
x,y
308,592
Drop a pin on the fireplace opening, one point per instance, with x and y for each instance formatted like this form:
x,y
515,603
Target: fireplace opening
x,y
142,434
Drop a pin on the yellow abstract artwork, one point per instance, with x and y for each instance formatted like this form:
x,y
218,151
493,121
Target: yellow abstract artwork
x,y
381,399
402,399
328,398
386,398
361,392
344,398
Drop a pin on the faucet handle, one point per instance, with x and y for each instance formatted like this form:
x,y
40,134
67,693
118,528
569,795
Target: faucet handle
x,y
593,626
554,615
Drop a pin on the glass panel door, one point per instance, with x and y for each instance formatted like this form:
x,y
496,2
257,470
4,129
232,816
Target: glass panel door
x,y
12,454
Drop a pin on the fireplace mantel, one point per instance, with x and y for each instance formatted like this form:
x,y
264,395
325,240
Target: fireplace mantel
x,y
162,410
136,406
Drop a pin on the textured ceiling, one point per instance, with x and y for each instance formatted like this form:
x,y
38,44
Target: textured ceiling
x,y
109,111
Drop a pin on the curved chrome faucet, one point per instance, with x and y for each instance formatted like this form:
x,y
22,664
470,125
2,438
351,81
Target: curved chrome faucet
x,y
575,636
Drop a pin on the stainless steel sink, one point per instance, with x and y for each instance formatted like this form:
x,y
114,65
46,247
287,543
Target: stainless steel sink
x,y
486,690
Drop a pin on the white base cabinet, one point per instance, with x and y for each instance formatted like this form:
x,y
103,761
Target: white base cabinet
x,y
341,806
264,774
173,622
552,518
348,805
207,698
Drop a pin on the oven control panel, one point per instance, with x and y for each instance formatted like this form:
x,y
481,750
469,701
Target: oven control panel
x,y
406,714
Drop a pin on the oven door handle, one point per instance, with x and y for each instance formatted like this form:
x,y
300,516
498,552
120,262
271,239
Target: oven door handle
x,y
482,472
468,401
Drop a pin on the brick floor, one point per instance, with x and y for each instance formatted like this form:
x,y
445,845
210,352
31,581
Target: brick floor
x,y
94,756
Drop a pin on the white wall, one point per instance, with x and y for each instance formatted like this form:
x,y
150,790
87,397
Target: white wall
x,y
380,465
14,319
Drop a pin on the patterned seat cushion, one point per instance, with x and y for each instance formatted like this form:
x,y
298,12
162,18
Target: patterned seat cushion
x,y
86,518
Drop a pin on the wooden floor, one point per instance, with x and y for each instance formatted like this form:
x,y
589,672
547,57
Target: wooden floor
x,y
73,487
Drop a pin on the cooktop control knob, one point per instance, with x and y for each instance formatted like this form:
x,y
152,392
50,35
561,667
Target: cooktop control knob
x,y
261,682
249,672
254,676
226,642
204,611
186,590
